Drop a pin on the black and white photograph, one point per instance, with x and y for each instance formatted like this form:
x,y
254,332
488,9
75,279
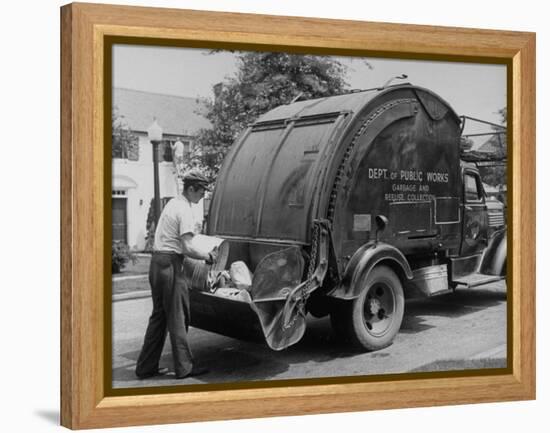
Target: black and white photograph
x,y
280,216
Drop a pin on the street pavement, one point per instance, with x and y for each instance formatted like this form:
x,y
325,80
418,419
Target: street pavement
x,y
451,331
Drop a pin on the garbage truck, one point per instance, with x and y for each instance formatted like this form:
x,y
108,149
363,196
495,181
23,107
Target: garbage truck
x,y
345,206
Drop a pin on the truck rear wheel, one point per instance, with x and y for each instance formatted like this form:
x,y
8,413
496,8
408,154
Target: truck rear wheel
x,y
372,320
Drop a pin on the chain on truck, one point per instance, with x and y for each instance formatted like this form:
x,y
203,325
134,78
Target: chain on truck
x,y
345,206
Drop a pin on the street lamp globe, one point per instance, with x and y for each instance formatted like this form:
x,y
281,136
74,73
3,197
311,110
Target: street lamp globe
x,y
154,132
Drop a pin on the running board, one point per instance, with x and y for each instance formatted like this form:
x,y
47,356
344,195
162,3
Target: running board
x,y
477,280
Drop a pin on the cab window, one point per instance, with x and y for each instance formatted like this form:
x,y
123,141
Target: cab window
x,y
472,191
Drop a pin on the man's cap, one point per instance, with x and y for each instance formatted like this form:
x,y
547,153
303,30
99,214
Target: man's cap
x,y
197,178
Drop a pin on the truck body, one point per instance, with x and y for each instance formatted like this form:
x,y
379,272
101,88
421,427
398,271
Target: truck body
x,y
345,206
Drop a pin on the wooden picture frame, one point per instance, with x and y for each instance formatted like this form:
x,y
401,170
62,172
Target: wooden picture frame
x,y
84,274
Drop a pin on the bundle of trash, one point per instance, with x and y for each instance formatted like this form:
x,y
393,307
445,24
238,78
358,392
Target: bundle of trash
x,y
234,283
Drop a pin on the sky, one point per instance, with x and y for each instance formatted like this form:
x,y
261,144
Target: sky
x,y
475,90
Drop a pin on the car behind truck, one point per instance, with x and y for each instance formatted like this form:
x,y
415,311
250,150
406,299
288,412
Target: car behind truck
x,y
345,206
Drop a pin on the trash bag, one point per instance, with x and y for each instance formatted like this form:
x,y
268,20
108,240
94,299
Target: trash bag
x,y
240,275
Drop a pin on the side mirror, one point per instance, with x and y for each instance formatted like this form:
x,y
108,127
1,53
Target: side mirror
x,y
381,224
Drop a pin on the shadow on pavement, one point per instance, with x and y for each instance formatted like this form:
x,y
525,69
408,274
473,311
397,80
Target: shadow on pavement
x,y
456,304
459,303
413,324
230,360
224,364
320,344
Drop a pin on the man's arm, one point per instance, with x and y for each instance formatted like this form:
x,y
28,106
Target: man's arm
x,y
191,251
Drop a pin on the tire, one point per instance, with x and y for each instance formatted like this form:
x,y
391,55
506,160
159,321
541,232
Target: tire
x,y
372,320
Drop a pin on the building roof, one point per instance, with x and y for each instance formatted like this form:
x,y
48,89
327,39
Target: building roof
x,y
493,145
177,115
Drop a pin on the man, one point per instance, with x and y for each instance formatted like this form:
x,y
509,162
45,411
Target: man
x,y
173,241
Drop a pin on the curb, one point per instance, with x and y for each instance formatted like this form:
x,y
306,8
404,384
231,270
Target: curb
x,y
130,277
132,295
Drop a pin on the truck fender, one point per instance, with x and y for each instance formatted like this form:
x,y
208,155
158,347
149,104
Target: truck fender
x,y
493,261
363,261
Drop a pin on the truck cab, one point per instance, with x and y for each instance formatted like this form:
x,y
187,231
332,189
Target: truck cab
x,y
483,224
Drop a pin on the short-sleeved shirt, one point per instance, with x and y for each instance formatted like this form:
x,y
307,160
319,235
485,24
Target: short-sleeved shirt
x,y
176,219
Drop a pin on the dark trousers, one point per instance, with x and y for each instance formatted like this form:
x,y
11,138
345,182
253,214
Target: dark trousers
x,y
170,314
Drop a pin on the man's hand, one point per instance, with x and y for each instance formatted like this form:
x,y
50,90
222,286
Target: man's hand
x,y
212,256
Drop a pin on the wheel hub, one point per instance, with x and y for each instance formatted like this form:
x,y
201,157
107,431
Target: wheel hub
x,y
374,306
378,309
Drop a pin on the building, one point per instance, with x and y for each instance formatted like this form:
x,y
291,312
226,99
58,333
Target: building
x,y
132,172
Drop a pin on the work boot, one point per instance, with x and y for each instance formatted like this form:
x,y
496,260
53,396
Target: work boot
x,y
160,372
195,371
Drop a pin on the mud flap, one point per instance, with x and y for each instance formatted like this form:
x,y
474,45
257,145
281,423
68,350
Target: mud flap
x,y
493,261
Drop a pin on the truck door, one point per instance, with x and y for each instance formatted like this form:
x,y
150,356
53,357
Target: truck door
x,y
474,228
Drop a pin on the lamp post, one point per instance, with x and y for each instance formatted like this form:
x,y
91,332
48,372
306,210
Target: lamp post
x,y
154,133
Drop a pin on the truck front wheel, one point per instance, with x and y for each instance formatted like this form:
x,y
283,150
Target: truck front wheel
x,y
372,320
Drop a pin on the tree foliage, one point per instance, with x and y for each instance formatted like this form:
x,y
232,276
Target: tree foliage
x,y
263,81
125,144
120,256
466,144
503,113
496,176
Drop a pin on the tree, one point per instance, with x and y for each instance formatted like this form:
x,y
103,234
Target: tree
x,y
125,144
503,113
496,175
263,81
466,144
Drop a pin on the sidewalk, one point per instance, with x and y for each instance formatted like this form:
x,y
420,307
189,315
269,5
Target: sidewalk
x,y
138,294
